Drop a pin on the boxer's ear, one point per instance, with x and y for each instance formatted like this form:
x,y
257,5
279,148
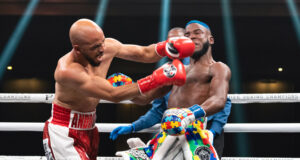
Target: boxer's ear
x,y
211,40
76,49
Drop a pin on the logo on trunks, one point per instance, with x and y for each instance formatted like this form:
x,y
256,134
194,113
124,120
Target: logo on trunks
x,y
139,154
170,70
203,152
83,121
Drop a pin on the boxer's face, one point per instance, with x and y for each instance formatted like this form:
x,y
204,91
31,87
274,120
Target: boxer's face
x,y
199,35
93,51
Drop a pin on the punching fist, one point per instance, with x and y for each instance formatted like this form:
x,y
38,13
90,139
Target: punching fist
x,y
175,47
119,79
168,74
175,120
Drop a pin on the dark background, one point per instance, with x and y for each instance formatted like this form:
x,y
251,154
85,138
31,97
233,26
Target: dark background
x,y
265,39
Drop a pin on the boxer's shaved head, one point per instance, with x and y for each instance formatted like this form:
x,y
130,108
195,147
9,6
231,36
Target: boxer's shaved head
x,y
83,31
176,32
87,39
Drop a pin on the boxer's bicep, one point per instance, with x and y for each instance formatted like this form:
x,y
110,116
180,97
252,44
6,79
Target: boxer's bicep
x,y
88,85
138,53
101,88
97,87
219,85
219,88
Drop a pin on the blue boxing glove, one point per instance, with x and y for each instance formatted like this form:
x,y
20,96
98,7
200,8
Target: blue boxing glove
x,y
175,120
121,130
197,110
119,79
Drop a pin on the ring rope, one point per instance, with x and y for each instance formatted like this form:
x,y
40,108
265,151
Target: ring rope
x,y
108,127
120,158
235,98
44,158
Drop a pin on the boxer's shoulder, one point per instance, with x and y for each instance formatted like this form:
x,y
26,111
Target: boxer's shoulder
x,y
219,68
69,72
110,40
112,45
218,64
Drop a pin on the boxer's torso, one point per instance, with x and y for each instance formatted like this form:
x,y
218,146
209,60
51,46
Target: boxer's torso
x,y
196,88
70,96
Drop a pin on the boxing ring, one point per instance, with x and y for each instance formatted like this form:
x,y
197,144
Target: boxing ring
x,y
108,127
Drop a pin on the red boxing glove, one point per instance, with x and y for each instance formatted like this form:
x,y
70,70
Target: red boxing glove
x,y
176,47
168,74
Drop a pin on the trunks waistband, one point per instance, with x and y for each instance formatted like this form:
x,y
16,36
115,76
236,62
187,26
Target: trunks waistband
x,y
72,119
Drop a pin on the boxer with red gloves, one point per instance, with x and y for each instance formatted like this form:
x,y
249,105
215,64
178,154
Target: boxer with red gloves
x,y
80,83
175,47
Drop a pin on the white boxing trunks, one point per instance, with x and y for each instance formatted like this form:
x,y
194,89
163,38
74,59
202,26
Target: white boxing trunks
x,y
70,135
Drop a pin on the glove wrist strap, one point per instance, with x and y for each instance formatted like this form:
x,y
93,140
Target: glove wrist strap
x,y
159,49
198,111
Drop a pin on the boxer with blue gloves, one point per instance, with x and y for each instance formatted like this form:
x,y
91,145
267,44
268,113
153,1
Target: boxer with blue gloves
x,y
203,94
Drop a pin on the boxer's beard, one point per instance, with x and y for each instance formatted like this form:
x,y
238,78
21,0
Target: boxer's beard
x,y
90,60
197,54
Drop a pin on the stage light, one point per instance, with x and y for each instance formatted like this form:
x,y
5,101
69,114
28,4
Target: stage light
x,y
232,60
9,68
100,16
16,36
164,26
295,17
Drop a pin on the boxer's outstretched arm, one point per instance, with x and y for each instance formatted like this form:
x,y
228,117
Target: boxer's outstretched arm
x,y
132,52
219,87
151,95
173,48
94,86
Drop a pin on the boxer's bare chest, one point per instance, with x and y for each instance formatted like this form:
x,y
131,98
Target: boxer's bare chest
x,y
72,97
99,71
194,91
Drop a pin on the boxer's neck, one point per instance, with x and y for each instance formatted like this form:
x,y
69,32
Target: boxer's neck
x,y
204,59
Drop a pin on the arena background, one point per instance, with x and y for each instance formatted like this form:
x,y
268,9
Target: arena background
x,y
265,37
